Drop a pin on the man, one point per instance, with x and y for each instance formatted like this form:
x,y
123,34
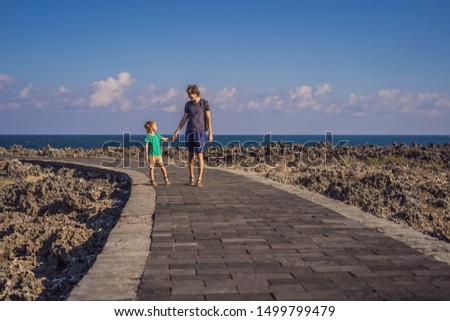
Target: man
x,y
197,113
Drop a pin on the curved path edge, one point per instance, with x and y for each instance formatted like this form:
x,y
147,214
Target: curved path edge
x,y
118,268
440,250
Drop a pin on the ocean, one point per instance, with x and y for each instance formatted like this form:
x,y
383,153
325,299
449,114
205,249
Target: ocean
x,y
97,141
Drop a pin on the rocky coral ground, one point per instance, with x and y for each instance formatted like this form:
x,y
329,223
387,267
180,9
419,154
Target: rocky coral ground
x,y
53,222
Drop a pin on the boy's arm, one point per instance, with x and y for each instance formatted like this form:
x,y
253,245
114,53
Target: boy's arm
x,y
162,138
146,151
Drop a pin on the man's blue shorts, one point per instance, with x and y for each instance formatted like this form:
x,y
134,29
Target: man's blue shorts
x,y
196,141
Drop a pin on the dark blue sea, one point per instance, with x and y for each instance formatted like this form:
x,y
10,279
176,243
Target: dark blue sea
x,y
97,141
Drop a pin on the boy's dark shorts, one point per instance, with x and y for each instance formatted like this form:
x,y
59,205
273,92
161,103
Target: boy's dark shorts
x,y
196,141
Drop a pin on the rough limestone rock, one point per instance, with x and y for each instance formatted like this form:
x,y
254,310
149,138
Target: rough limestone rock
x,y
53,223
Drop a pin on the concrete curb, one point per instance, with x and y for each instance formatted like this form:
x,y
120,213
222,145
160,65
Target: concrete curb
x,y
117,271
425,244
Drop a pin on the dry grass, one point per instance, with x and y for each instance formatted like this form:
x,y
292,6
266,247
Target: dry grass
x,y
34,179
5,182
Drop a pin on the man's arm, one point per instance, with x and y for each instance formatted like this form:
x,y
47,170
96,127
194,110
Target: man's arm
x,y
209,120
182,122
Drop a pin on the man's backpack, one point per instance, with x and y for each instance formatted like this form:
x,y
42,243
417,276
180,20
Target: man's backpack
x,y
202,104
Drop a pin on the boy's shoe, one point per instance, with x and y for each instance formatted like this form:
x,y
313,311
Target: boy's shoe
x,y
153,183
199,183
167,181
191,182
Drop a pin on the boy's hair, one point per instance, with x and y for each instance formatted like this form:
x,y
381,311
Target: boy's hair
x,y
193,89
148,125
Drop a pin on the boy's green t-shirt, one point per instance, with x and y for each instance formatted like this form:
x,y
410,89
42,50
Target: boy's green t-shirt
x,y
154,144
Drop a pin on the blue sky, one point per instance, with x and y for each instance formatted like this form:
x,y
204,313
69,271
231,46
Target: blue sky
x,y
288,67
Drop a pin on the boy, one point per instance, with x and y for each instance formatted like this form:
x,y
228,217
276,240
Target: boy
x,y
153,152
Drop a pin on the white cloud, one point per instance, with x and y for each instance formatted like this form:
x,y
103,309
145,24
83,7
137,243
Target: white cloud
x,y
35,97
333,109
202,90
165,100
10,106
388,94
125,104
354,99
394,101
226,98
273,101
227,94
5,80
269,101
105,92
63,90
24,93
427,96
171,108
253,105
322,90
152,97
78,102
40,104
301,92
305,97
111,92
444,101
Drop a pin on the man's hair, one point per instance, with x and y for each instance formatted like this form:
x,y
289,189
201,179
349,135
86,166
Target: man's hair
x,y
193,89
148,125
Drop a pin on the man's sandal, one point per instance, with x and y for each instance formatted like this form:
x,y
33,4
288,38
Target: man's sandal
x,y
199,183
166,180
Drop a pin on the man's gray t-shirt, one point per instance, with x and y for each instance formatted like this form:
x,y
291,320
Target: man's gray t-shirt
x,y
196,119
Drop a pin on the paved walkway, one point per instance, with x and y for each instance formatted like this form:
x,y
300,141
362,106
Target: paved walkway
x,y
240,239
237,239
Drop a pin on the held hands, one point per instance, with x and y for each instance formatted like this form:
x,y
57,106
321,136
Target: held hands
x,y
210,136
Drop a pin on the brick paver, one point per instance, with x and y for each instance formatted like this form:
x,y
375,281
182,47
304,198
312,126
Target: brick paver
x,y
237,239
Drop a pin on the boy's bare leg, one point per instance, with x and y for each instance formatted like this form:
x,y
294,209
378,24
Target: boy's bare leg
x,y
166,178
164,172
152,175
